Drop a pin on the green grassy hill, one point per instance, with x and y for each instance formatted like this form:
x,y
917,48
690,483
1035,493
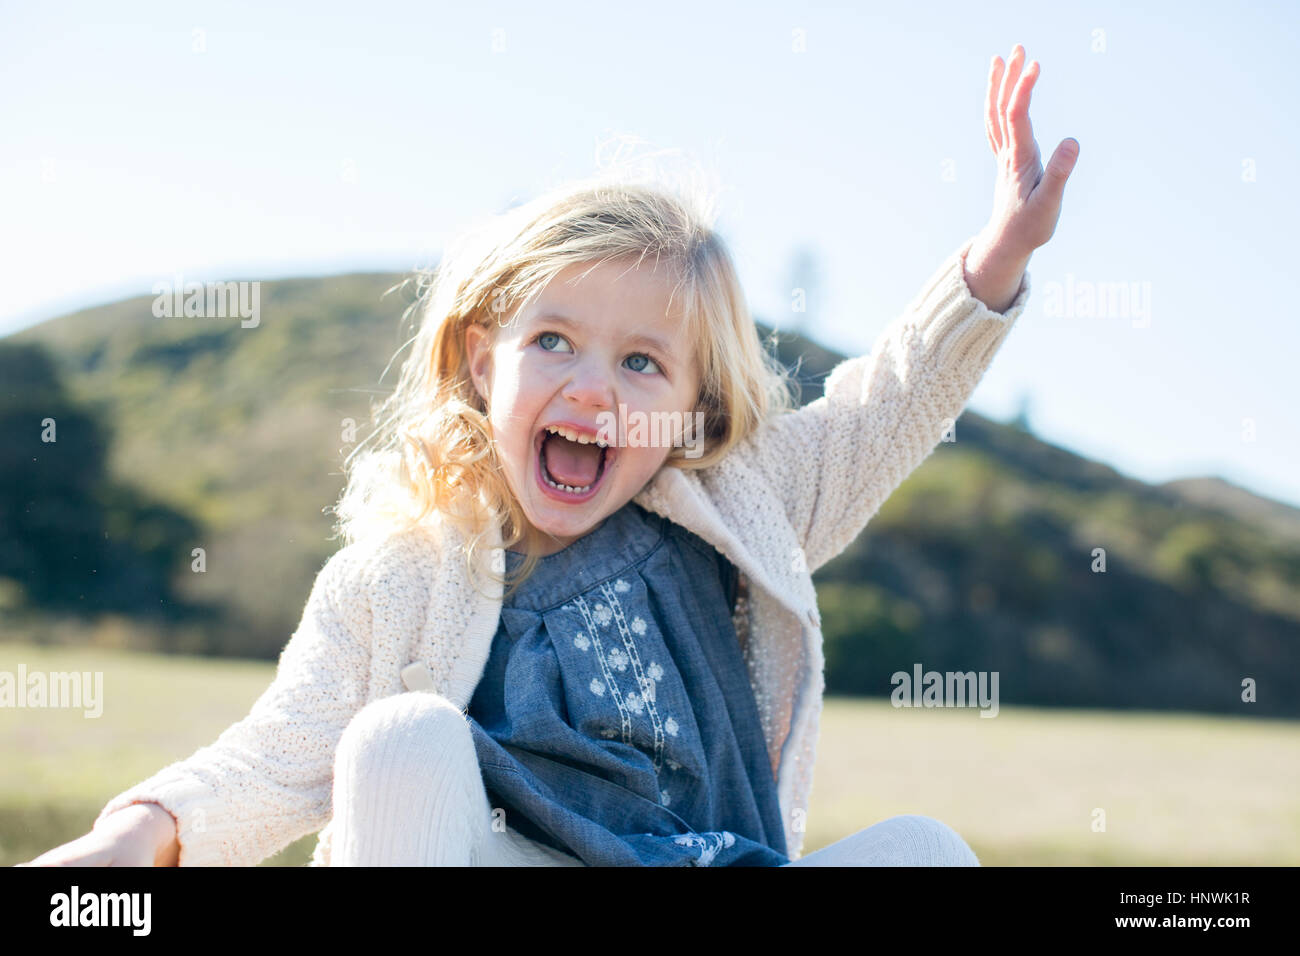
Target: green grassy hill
x,y
241,428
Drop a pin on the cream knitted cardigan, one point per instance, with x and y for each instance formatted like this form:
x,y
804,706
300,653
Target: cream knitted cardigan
x,y
779,506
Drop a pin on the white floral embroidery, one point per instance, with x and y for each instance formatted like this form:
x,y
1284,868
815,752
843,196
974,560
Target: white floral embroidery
x,y
673,764
602,614
636,702
655,671
709,843
663,797
670,725
621,586
609,732
581,641
597,686
618,658
638,626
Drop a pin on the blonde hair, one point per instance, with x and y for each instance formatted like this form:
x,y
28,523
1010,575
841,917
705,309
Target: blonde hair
x,y
433,458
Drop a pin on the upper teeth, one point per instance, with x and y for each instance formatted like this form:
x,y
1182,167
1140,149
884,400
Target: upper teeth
x,y
574,436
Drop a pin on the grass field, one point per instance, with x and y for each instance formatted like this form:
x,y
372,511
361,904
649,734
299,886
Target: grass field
x,y
1023,788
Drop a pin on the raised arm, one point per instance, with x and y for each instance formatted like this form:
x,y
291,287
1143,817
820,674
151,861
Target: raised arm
x,y
835,461
267,780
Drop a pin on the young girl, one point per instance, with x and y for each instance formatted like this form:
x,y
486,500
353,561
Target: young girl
x,y
575,620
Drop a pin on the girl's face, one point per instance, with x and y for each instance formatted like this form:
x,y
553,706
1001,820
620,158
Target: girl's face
x,y
591,350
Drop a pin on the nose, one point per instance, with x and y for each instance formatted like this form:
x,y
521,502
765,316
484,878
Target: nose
x,y
591,386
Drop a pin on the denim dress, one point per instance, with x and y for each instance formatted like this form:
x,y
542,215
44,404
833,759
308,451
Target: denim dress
x,y
614,719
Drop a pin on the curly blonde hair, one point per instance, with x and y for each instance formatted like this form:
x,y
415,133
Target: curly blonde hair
x,y
431,456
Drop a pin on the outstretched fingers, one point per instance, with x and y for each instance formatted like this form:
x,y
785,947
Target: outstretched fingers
x,y
1009,80
992,125
1021,130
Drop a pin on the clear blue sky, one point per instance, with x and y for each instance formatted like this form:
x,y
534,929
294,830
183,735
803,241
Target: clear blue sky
x,y
362,136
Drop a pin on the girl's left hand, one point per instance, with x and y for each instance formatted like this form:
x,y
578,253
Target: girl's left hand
x,y
1026,198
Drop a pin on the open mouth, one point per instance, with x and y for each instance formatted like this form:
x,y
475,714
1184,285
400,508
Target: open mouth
x,y
570,471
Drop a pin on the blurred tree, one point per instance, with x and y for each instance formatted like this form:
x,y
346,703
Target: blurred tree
x,y
69,537
1021,419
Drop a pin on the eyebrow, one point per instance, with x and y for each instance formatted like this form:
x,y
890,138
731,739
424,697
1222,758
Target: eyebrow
x,y
640,338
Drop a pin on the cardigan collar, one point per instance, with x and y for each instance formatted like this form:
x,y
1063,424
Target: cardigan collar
x,y
678,496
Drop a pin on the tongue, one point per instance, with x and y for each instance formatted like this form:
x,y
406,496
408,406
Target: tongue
x,y
570,462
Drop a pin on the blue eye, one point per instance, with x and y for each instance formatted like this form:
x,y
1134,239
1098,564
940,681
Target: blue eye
x,y
647,358
548,335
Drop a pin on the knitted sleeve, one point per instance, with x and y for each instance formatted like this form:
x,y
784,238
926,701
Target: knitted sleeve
x,y
835,461
267,780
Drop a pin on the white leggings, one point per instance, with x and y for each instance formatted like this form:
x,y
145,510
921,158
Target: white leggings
x,y
408,792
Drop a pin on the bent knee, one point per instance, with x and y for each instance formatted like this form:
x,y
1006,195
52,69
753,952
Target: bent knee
x,y
415,727
934,842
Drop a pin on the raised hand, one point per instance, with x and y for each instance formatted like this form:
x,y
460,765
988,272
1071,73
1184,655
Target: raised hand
x,y
1026,197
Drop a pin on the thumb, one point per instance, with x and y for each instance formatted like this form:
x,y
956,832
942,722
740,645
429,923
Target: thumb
x,y
1060,166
